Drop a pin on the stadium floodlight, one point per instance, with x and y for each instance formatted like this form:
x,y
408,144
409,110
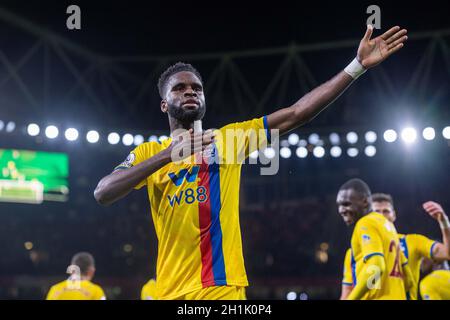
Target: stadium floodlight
x,y
370,151
293,139
291,295
409,135
428,133
334,138
303,296
352,137
92,136
313,138
51,132
33,129
370,137
162,138
352,152
152,138
127,139
113,138
335,152
319,152
302,143
446,132
269,153
390,135
2,125
138,139
301,152
71,134
254,154
10,126
285,152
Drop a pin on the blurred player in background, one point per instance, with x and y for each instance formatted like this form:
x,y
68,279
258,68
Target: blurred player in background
x,y
149,290
436,283
377,262
414,246
195,204
79,285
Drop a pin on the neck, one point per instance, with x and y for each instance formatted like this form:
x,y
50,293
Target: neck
x,y
175,124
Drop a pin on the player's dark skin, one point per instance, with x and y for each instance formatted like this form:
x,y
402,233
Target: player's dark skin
x,y
184,86
352,205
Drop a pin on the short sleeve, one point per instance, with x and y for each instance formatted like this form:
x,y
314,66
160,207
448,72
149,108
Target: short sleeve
x,y
99,294
428,290
369,239
238,140
423,244
51,294
347,278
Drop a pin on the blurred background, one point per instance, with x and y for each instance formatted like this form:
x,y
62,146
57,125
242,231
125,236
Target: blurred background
x,y
74,103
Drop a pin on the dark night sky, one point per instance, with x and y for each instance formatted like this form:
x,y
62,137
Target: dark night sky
x,y
165,27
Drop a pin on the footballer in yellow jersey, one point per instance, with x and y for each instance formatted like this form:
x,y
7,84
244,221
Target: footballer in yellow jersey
x,y
195,207
347,277
436,283
149,290
79,285
377,262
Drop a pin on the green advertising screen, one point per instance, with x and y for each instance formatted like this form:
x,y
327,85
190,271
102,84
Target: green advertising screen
x,y
33,176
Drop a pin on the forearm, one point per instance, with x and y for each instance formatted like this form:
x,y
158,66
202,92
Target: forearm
x,y
345,292
445,229
372,269
119,183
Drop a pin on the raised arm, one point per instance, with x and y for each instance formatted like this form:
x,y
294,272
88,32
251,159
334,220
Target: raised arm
x,y
441,251
370,53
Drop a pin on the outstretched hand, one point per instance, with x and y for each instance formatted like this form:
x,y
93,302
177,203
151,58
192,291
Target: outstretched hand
x,y
434,210
373,51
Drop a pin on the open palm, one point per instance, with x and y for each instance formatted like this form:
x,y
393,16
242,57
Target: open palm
x,y
373,51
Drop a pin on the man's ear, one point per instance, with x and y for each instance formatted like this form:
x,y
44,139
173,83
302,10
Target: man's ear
x,y
164,106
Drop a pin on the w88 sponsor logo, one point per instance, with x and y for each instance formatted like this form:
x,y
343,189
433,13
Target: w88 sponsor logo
x,y
188,196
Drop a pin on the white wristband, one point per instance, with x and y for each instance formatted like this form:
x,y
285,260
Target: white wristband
x,y
445,223
355,69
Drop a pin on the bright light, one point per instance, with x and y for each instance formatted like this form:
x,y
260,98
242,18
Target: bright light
x,y
352,152
113,138
153,138
409,135
370,151
293,139
291,295
319,152
352,137
2,125
92,136
370,137
51,132
127,139
334,138
28,245
303,296
390,135
335,151
138,139
301,152
71,134
10,126
254,154
284,143
446,132
33,129
313,138
163,137
428,133
302,143
269,153
285,152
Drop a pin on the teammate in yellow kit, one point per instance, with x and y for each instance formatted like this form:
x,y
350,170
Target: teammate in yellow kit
x,y
195,203
436,283
378,265
149,290
79,285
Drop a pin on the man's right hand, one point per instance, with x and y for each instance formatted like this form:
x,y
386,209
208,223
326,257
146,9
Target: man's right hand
x,y
188,143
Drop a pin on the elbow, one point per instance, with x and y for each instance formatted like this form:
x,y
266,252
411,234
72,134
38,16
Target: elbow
x,y
100,197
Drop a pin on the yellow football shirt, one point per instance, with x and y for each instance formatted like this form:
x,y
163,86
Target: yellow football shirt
x,y
73,290
375,235
149,290
436,286
347,279
416,247
195,211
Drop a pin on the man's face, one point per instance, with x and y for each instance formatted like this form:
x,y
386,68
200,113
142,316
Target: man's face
x,y
385,208
351,205
184,98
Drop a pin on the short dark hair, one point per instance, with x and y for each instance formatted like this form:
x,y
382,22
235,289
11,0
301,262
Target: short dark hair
x,y
358,185
173,69
84,260
382,197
